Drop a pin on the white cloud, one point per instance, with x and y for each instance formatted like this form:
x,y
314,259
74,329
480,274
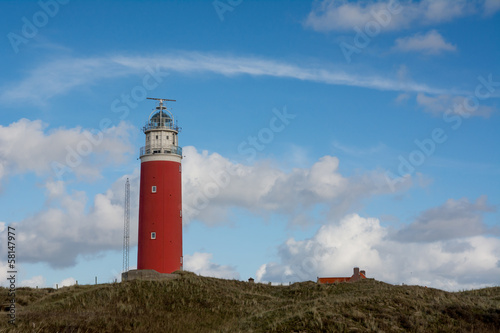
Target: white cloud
x,y
453,105
333,15
403,74
61,76
430,43
454,219
66,228
491,7
212,185
402,98
335,249
470,262
200,263
48,80
67,282
59,152
36,281
357,152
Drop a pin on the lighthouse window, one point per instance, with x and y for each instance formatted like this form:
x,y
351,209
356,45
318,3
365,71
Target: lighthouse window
x,y
180,213
167,137
153,235
157,137
153,189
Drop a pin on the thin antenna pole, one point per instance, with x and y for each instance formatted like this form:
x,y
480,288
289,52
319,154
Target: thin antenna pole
x,y
126,227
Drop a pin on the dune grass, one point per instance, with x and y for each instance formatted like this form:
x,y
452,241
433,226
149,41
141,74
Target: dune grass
x,y
200,304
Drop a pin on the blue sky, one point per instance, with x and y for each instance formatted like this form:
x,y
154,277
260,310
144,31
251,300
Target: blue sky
x,y
317,135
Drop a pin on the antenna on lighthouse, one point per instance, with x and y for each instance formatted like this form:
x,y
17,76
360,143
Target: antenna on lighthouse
x,y
162,99
126,227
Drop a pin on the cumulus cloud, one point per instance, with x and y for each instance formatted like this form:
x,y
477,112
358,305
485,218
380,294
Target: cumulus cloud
x,y
455,219
66,228
430,43
212,185
334,15
201,263
67,282
35,281
69,226
337,247
453,105
60,152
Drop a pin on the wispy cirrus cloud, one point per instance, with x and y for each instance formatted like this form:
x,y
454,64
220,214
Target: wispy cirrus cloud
x,y
429,43
452,104
491,7
60,76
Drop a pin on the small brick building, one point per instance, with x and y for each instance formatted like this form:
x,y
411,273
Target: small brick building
x,y
356,276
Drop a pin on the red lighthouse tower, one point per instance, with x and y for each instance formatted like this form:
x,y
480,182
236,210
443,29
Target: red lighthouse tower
x,y
160,202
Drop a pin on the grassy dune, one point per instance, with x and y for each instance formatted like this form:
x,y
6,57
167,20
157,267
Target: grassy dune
x,y
199,304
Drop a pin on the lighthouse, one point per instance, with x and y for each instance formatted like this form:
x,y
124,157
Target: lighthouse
x,y
160,201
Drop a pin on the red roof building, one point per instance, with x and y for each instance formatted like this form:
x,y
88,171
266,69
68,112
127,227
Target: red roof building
x,y
356,276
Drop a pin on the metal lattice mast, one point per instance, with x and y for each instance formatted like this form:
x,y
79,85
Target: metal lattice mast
x,y
126,227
